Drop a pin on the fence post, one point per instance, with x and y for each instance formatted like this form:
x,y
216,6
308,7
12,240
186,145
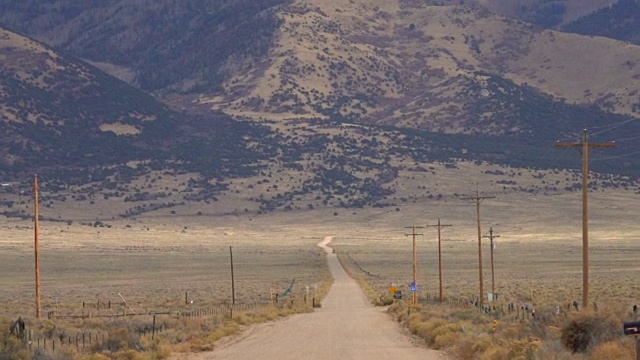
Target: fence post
x,y
153,331
82,341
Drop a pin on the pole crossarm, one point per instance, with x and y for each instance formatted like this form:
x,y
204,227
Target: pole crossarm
x,y
478,199
585,145
439,226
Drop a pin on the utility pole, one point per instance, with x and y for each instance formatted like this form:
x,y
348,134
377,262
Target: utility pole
x,y
35,245
233,285
439,226
585,145
478,199
493,279
415,270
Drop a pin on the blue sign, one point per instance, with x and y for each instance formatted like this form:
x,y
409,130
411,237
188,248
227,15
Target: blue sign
x,y
413,286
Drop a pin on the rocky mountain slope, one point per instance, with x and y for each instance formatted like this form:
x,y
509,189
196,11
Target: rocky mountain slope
x,y
428,67
428,63
365,105
59,114
159,46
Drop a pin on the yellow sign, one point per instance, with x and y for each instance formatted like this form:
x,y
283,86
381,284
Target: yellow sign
x,y
393,289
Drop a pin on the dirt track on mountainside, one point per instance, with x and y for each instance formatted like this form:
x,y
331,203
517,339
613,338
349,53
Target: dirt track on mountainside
x,y
346,327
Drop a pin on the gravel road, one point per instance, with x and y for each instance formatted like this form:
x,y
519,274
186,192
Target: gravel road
x,y
346,327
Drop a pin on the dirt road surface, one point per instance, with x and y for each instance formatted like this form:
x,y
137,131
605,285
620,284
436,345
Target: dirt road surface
x,y
346,327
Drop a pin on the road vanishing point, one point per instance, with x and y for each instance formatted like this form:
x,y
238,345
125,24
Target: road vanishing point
x,y
347,326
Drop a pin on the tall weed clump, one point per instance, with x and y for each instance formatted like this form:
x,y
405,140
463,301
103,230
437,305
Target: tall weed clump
x,y
587,330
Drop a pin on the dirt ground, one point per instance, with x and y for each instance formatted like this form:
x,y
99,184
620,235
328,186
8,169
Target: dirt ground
x,y
346,327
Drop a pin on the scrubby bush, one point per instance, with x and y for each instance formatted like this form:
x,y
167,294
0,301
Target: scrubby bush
x,y
586,330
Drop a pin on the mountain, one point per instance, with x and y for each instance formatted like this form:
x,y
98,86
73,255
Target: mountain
x,y
438,68
164,46
619,21
546,13
345,107
60,114
423,55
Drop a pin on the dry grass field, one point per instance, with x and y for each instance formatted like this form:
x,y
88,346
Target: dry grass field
x,y
153,266
153,259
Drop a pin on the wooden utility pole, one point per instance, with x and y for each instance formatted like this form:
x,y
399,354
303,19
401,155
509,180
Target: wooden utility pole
x,y
233,285
493,278
37,257
440,226
585,145
415,269
478,199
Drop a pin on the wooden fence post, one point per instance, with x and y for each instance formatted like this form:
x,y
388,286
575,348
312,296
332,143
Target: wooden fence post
x,y
153,331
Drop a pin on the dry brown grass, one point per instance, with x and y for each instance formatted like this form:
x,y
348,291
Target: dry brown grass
x,y
152,266
154,259
538,262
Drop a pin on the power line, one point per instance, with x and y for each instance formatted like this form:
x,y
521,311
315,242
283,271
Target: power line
x,y
627,139
616,157
611,126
